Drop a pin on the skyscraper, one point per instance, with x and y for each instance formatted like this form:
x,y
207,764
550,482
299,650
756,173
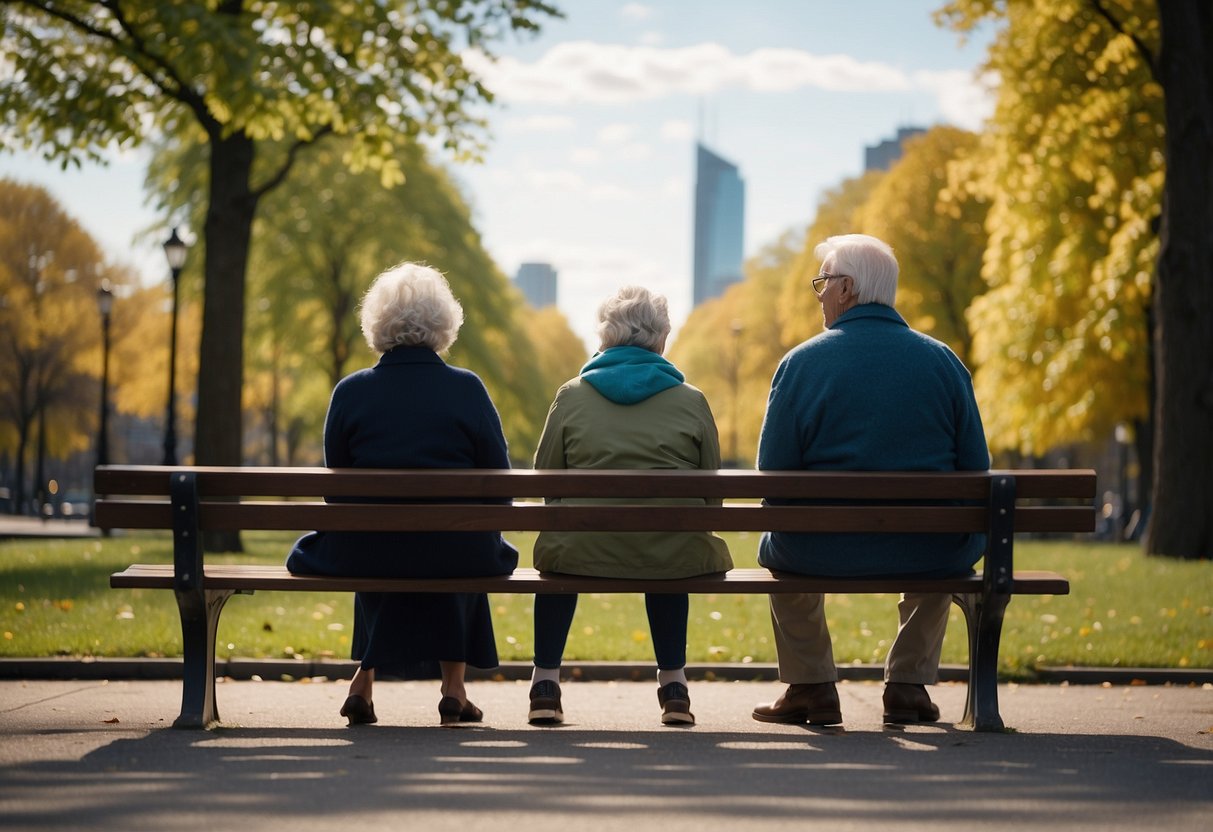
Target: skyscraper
x,y
537,282
882,156
719,224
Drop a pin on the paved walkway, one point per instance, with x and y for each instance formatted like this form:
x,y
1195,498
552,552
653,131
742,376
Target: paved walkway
x,y
98,755
12,525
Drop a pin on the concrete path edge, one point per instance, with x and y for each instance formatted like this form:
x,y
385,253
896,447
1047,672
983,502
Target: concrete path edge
x,y
269,669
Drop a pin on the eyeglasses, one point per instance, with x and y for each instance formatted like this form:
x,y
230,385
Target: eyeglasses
x,y
819,282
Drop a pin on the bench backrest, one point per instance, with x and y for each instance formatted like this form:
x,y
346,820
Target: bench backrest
x,y
1059,501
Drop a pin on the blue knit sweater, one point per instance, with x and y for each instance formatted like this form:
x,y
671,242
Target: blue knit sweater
x,y
871,394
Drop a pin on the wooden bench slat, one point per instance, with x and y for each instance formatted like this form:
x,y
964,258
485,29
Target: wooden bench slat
x,y
526,580
483,483
268,515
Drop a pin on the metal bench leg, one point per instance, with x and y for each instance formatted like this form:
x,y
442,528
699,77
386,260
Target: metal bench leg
x,y
983,621
200,612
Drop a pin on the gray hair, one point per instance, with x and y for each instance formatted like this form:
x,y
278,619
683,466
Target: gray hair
x,y
633,317
870,263
410,305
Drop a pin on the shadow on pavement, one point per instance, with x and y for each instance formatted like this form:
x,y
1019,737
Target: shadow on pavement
x,y
484,777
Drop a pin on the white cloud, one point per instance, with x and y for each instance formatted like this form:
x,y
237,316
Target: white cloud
x,y
634,152
651,39
675,187
557,180
583,71
779,70
585,156
965,100
539,124
677,130
616,133
636,11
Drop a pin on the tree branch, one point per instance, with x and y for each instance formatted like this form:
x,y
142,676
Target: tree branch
x,y
277,178
1149,57
136,52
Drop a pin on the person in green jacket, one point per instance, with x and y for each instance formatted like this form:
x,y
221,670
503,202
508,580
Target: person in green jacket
x,y
629,408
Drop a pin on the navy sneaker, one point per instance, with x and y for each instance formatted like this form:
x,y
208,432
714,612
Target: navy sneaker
x,y
545,704
675,703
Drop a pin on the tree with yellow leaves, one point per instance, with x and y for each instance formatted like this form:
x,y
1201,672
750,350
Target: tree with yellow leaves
x,y
729,349
50,271
1102,136
926,210
838,212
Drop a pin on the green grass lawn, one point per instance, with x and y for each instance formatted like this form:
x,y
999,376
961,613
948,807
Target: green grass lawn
x,y
1126,609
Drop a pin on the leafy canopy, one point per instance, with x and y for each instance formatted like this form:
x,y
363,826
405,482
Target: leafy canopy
x,y
85,76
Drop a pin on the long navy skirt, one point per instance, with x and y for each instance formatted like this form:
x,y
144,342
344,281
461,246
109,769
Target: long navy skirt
x,y
405,635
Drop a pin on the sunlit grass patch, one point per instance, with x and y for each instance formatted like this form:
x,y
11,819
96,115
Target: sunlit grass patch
x,y
1125,610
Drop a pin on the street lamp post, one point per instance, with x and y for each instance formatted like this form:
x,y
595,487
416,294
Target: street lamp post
x,y
735,367
1123,437
105,302
175,251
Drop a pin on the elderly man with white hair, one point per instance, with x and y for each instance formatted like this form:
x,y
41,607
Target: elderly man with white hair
x,y
867,394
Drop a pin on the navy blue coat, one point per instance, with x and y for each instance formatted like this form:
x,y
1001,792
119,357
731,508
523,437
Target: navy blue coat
x,y
412,410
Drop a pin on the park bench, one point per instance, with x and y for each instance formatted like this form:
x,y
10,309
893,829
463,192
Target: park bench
x,y
194,501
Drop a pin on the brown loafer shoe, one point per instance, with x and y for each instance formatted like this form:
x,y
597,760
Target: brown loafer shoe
x,y
905,703
816,704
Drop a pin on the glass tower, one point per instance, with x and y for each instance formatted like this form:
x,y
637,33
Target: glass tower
x,y
719,224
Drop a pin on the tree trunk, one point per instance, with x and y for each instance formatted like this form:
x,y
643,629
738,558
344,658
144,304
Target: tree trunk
x,y
229,223
1182,521
40,463
19,491
275,405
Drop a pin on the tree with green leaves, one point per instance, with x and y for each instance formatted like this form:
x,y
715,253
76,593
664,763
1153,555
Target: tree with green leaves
x,y
1103,133
319,242
239,75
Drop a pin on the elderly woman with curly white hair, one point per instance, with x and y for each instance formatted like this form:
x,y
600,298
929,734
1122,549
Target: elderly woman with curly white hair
x,y
629,408
412,410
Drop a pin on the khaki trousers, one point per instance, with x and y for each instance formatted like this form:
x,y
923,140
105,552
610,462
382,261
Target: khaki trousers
x,y
802,639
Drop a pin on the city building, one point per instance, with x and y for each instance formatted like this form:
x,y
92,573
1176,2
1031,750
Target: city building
x,y
719,224
882,156
537,282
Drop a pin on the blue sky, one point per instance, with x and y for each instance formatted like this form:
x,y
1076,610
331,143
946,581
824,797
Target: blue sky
x,y
590,165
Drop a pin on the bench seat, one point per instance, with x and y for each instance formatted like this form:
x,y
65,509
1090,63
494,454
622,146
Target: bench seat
x,y
252,577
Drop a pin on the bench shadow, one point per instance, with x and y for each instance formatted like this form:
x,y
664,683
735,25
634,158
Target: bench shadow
x,y
233,776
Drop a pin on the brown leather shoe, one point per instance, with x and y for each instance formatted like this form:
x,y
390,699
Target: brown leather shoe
x,y
816,704
905,703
